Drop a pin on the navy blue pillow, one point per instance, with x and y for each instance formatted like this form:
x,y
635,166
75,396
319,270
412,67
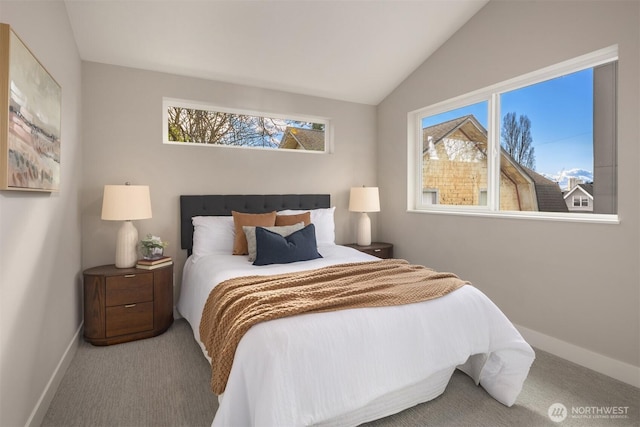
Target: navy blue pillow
x,y
272,248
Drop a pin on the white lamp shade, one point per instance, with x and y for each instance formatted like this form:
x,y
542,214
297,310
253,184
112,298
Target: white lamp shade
x,y
364,199
126,202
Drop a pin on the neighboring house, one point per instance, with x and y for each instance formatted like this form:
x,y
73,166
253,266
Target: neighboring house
x,y
455,171
302,139
580,198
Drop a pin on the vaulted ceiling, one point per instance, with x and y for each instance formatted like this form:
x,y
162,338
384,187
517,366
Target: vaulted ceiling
x,y
352,50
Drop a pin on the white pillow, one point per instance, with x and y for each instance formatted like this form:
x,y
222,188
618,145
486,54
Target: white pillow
x,y
322,219
212,234
283,230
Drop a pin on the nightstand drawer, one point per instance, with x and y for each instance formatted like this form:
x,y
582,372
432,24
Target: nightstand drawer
x,y
383,253
126,304
128,319
377,249
129,289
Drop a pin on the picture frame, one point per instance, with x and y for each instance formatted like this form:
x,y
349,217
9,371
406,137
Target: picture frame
x,y
30,119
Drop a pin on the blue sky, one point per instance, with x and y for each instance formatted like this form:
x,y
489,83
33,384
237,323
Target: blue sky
x,y
561,114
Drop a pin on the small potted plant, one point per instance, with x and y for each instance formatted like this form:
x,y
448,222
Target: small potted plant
x,y
152,247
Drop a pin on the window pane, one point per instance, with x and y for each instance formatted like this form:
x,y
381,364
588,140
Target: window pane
x,y
430,197
454,155
547,143
212,127
483,197
532,146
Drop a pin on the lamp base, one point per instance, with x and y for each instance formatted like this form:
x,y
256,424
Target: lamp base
x,y
127,240
364,230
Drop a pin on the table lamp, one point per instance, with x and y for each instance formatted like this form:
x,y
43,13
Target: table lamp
x,y
126,203
364,199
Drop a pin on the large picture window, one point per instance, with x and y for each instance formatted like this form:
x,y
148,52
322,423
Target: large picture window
x,y
522,147
191,123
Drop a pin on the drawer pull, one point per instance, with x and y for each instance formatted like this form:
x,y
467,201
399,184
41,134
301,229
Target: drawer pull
x,y
377,250
129,275
129,305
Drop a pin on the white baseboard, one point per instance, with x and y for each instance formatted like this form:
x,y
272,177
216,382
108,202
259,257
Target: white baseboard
x,y
40,410
613,368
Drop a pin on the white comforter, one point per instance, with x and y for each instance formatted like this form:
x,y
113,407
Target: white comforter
x,y
352,366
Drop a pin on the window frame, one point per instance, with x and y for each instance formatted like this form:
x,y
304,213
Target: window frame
x,y
491,95
583,201
434,192
198,105
483,195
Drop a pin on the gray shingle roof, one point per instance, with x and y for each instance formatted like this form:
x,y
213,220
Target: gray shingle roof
x,y
548,193
441,130
587,187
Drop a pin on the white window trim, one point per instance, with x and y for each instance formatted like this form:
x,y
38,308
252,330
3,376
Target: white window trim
x,y
491,95
197,105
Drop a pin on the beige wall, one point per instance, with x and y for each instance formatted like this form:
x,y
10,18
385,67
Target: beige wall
x,y
40,271
122,128
521,264
596,308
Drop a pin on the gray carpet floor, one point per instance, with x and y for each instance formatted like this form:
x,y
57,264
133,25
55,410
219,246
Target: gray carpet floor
x,y
164,381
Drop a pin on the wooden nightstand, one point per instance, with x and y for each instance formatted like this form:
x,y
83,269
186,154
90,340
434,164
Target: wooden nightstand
x,y
379,249
126,304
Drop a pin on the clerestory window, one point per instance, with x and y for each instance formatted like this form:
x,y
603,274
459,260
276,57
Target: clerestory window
x,y
194,123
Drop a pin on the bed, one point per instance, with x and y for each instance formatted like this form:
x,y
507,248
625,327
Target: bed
x,y
344,367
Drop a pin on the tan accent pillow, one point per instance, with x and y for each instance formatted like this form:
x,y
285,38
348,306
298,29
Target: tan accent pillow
x,y
256,220
293,219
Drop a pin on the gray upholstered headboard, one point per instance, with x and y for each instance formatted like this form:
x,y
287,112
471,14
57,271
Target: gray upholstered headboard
x,y
222,205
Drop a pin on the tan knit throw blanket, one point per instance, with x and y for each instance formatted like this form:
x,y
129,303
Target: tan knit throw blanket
x,y
237,304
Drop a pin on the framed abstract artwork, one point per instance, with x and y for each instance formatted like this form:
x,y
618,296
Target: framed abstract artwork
x,y
30,119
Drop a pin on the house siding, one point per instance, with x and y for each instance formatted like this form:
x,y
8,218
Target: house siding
x,y
458,169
